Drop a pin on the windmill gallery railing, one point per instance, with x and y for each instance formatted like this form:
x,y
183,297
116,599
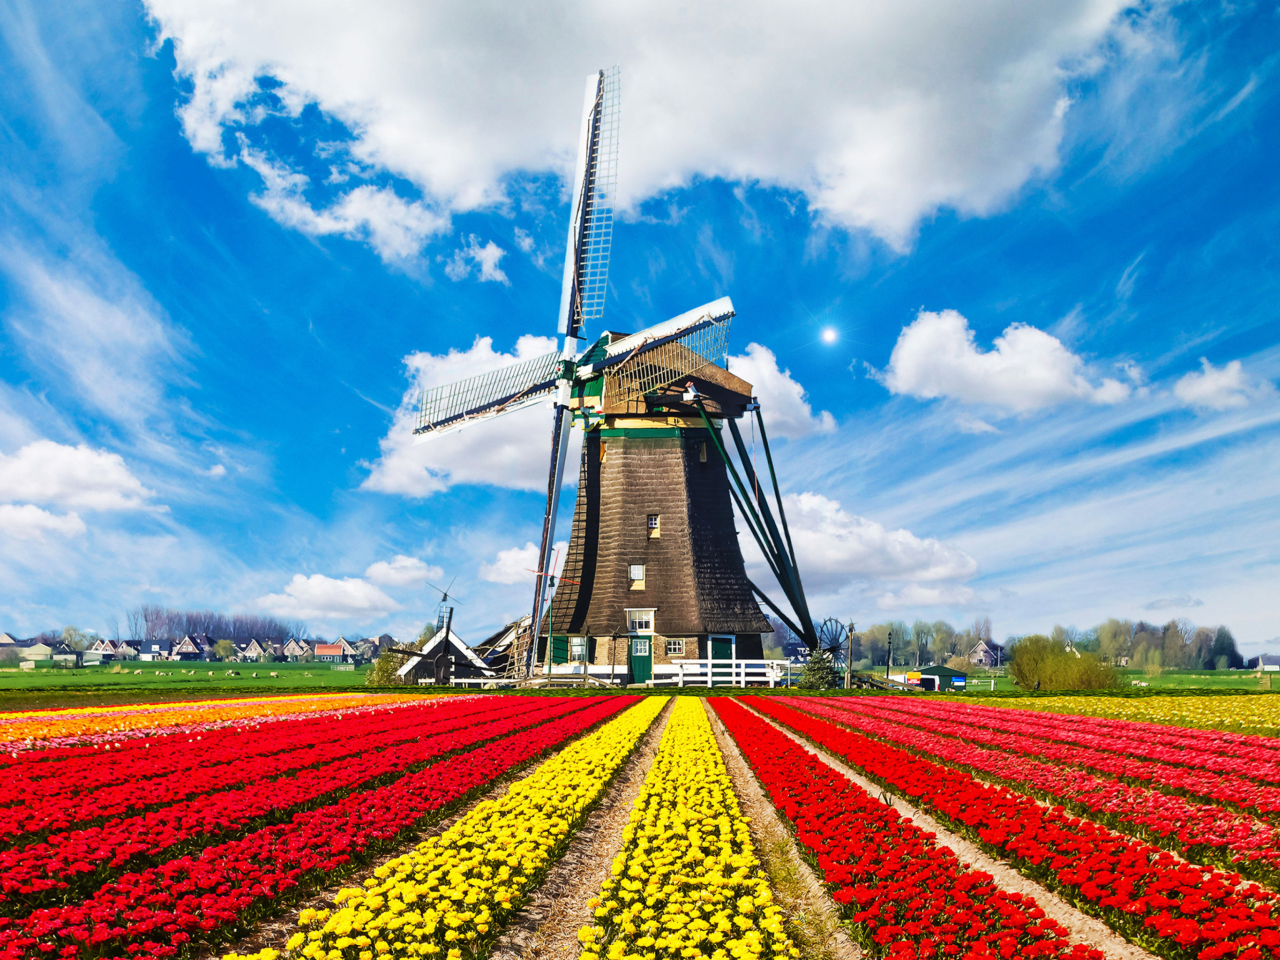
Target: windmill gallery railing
x,y
688,673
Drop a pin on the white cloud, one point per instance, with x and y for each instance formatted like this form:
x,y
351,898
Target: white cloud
x,y
518,564
318,597
95,330
402,571
878,113
55,473
915,595
1215,388
1027,370
217,471
512,451
835,548
1180,602
27,522
394,227
966,423
786,408
486,258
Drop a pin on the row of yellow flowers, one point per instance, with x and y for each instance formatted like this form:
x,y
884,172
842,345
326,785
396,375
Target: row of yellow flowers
x,y
450,896
61,725
687,883
1238,714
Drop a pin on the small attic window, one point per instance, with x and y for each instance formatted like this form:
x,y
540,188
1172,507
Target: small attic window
x,y
636,575
655,526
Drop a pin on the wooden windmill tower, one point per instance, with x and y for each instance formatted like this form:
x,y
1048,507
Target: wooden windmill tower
x,y
654,570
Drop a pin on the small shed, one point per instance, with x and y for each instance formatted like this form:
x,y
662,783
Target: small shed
x,y
942,679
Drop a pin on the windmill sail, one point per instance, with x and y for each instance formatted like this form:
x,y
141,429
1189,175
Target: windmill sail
x,y
455,405
586,266
586,276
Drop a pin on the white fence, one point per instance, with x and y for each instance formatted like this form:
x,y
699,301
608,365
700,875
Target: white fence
x,y
707,673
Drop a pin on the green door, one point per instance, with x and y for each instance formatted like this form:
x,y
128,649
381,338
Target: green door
x,y
641,660
721,648
559,649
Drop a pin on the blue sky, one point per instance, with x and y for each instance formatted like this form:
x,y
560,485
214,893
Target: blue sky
x,y
237,238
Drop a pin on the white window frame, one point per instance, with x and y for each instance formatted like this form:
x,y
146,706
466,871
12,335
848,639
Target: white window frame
x,y
643,614
631,572
675,646
637,642
577,649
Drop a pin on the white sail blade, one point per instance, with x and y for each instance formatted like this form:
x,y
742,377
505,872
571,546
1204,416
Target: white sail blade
x,y
586,268
455,405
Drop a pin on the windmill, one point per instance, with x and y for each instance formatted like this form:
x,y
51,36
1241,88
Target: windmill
x,y
444,609
651,404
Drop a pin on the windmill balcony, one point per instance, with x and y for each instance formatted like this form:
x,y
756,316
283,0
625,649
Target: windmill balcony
x,y
687,673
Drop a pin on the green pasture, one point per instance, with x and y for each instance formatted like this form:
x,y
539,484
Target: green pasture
x,y
50,687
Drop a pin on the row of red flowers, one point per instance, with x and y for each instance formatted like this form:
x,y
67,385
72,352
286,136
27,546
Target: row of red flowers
x,y
70,865
1257,756
1181,768
220,893
1173,908
908,896
78,797
45,760
1202,833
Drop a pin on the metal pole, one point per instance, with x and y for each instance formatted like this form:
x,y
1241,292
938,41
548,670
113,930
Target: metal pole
x,y
888,657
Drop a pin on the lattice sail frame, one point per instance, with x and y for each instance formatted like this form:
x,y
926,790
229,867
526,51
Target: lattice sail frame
x,y
599,181
653,368
453,405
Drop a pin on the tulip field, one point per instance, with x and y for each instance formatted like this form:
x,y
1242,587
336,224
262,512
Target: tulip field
x,y
390,827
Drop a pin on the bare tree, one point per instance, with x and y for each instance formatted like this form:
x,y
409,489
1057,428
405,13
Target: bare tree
x,y
151,620
137,630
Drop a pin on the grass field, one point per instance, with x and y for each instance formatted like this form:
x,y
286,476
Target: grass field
x,y
1169,680
92,686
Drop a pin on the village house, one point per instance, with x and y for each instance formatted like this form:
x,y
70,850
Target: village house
x,y
986,653
157,648
295,649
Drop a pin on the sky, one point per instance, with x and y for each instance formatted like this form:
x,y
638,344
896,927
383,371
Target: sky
x,y
1006,280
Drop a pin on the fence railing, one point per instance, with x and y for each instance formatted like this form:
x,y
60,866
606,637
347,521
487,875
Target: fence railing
x,y
708,673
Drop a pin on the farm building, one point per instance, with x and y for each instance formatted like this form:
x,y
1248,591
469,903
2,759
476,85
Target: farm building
x,y
942,679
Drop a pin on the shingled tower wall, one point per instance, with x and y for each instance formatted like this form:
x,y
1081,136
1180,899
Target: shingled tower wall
x,y
695,579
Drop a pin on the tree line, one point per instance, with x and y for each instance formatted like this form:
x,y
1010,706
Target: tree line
x,y
152,620
893,642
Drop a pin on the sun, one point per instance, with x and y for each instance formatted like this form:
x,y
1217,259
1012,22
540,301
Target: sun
x,y
830,335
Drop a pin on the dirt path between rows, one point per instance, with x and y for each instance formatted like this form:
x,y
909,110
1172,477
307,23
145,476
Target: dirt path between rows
x,y
275,931
1080,927
799,892
547,926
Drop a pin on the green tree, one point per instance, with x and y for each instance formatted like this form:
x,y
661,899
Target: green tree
x,y
943,645
1040,662
224,649
922,639
819,673
76,639
874,639
1113,639
1224,645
